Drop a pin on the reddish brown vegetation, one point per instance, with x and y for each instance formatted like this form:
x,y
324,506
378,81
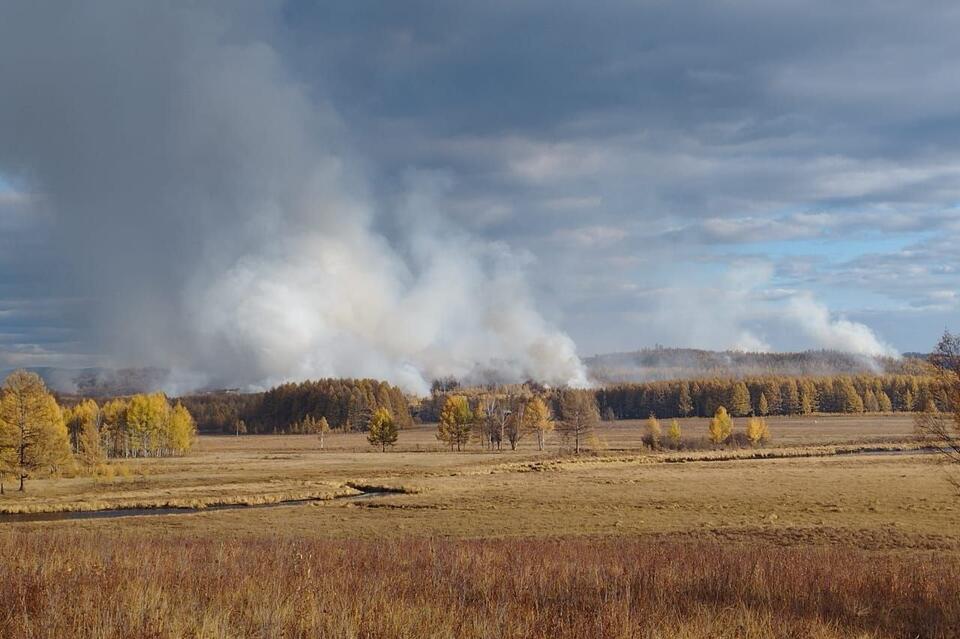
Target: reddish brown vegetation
x,y
113,585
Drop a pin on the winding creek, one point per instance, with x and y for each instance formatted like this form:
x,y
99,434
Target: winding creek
x,y
141,512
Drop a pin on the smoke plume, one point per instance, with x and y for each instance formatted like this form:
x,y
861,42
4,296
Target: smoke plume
x,y
216,222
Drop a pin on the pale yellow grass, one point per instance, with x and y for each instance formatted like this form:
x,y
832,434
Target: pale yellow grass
x,y
895,502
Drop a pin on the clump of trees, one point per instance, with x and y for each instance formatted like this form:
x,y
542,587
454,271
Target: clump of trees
x,y
346,404
37,435
501,417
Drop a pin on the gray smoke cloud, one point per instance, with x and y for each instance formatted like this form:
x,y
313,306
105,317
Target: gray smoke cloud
x,y
215,220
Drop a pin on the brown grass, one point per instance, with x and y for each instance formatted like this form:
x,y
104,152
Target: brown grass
x,y
63,584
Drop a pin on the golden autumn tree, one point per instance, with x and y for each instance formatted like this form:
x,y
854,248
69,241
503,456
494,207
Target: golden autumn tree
x,y
83,424
536,417
757,431
323,427
654,431
456,421
32,433
383,429
673,433
721,426
181,431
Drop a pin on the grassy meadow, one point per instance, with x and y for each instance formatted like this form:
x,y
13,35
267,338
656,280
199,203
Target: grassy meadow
x,y
620,542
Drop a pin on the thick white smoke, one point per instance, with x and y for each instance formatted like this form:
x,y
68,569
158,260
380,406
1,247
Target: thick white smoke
x,y
813,319
218,224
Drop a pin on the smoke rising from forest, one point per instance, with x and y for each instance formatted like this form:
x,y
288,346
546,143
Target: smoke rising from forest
x,y
211,216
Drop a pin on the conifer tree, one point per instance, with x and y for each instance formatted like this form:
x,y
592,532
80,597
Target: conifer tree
x,y
762,407
654,431
740,400
323,427
537,419
757,431
456,420
721,426
673,433
685,403
383,429
886,406
580,416
32,433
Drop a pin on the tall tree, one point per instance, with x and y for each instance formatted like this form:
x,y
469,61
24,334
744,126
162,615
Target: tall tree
x,y
455,424
536,417
580,416
654,431
721,426
757,431
32,433
684,402
673,433
762,406
383,429
323,427
739,400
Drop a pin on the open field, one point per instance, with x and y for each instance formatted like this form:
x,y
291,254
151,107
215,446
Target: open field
x,y
703,540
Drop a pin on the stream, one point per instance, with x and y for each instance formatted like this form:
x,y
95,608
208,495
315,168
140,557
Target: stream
x,y
140,512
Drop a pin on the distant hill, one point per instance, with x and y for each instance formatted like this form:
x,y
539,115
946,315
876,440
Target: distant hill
x,y
652,364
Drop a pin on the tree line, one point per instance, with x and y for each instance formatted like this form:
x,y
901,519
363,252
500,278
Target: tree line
x,y
38,435
344,404
764,396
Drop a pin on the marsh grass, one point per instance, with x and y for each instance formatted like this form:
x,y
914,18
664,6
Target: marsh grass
x,y
76,584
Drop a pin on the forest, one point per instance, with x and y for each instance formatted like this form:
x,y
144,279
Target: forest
x,y
39,436
775,396
347,404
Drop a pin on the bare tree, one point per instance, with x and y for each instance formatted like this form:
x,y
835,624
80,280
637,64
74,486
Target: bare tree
x,y
938,429
580,416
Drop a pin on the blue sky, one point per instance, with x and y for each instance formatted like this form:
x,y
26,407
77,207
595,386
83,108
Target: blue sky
x,y
691,174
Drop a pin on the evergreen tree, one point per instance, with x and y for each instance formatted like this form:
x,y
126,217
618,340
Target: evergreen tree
x,y
886,406
757,431
673,433
740,400
654,432
455,424
32,433
762,407
536,418
383,429
721,426
685,402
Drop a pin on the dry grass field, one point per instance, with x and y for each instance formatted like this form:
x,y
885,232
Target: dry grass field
x,y
701,544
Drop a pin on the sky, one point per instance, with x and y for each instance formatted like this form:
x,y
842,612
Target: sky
x,y
611,175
